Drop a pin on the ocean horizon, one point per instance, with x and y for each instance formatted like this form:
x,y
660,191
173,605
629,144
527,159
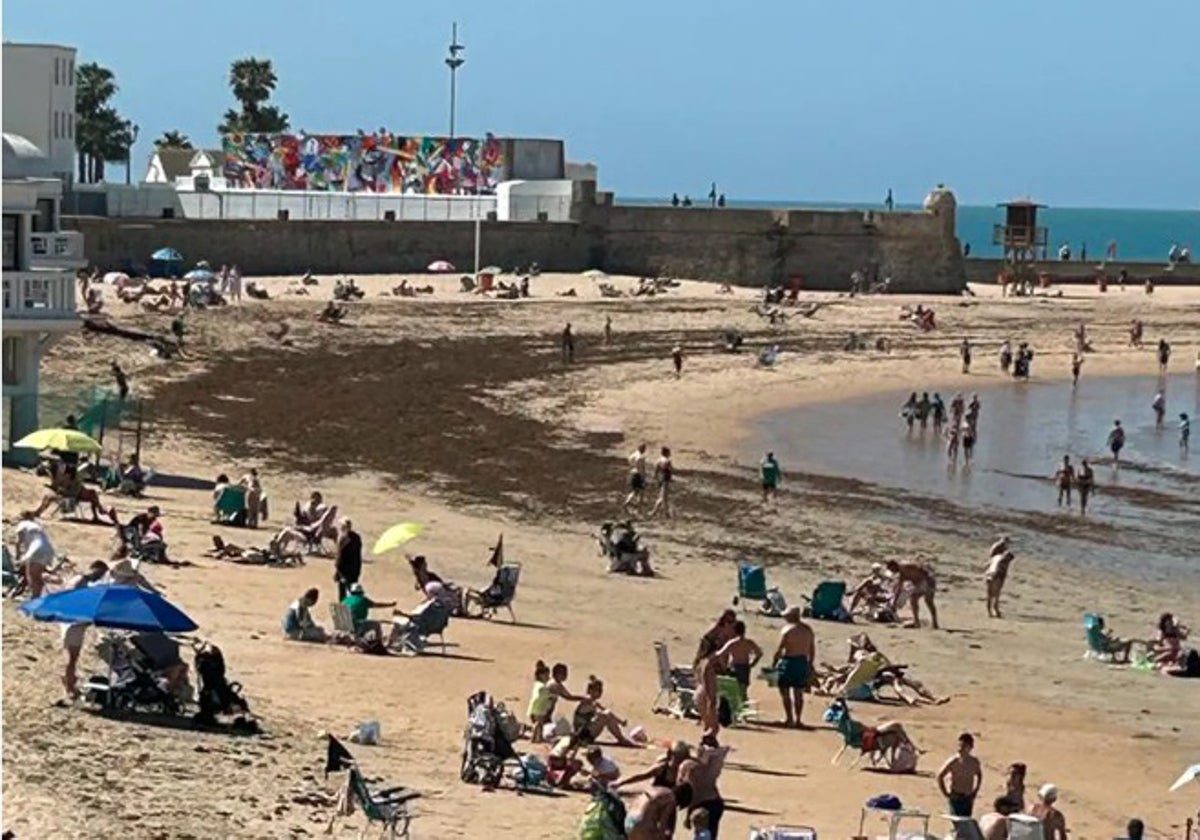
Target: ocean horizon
x,y
1140,234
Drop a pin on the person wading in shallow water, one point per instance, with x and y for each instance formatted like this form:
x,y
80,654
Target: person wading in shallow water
x,y
1085,483
568,345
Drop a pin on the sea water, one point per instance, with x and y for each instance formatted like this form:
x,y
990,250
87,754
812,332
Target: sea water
x,y
1141,235
1149,506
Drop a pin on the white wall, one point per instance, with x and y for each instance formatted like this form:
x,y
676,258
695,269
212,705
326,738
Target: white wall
x,y
522,201
307,206
39,100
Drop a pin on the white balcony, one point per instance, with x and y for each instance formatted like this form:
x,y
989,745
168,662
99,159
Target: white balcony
x,y
63,249
39,299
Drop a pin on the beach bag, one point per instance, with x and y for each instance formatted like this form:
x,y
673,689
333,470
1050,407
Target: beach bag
x,y
603,819
507,723
885,802
906,759
366,733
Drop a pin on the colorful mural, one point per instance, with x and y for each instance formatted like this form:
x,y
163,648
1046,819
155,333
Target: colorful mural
x,y
382,162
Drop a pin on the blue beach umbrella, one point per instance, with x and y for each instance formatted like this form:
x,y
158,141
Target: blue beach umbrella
x,y
200,275
111,605
167,255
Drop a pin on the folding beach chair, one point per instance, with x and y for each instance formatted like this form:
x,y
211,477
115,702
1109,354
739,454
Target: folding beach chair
x,y
826,601
752,582
731,696
676,685
343,622
412,636
230,506
499,595
387,807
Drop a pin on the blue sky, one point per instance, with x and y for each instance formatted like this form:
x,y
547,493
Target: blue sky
x,y
1076,102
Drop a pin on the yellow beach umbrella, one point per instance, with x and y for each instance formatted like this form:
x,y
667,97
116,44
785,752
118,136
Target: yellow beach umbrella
x,y
397,536
64,440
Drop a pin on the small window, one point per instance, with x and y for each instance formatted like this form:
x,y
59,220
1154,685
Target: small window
x,y
56,119
56,76
71,73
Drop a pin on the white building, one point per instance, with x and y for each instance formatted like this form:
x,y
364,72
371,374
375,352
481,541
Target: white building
x,y
39,103
40,261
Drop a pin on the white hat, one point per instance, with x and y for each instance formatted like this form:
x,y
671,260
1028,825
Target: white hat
x,y
356,589
1048,792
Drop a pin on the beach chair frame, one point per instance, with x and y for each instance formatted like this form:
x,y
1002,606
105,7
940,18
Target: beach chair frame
x,y
677,686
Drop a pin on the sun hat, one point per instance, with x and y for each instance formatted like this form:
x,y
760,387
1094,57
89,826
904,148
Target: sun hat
x,y
356,589
1048,792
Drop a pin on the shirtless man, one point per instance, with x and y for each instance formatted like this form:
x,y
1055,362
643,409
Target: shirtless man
x,y
1064,478
960,778
637,477
922,585
795,659
701,773
999,546
1116,442
652,816
1054,824
994,825
739,656
997,572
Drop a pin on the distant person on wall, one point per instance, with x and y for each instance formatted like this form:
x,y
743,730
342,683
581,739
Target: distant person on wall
x,y
966,249
721,200
674,199
687,201
1110,253
1083,252
712,194
889,202
1173,254
568,345
1064,252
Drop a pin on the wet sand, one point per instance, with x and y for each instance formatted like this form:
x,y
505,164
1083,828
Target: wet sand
x,y
1141,519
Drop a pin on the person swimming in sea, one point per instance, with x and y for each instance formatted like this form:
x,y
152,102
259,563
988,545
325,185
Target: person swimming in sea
x,y
794,661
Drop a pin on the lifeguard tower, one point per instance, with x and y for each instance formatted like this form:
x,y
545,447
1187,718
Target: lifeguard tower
x,y
1021,238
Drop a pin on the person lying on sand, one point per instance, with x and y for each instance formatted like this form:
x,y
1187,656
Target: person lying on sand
x,y
833,679
271,555
872,591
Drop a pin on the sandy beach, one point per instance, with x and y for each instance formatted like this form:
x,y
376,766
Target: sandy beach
x,y
458,412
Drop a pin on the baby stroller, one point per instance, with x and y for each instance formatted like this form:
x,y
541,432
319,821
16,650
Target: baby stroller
x,y
133,682
217,695
486,747
621,545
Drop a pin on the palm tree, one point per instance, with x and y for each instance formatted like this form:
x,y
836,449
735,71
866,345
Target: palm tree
x,y
173,140
253,81
97,121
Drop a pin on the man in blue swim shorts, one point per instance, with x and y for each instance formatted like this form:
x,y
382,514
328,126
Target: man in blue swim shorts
x,y
794,662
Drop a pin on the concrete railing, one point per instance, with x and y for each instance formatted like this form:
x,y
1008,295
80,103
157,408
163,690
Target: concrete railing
x,y
51,297
63,249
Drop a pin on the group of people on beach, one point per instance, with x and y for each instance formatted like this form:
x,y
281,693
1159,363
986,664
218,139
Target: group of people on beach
x,y
639,480
959,424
